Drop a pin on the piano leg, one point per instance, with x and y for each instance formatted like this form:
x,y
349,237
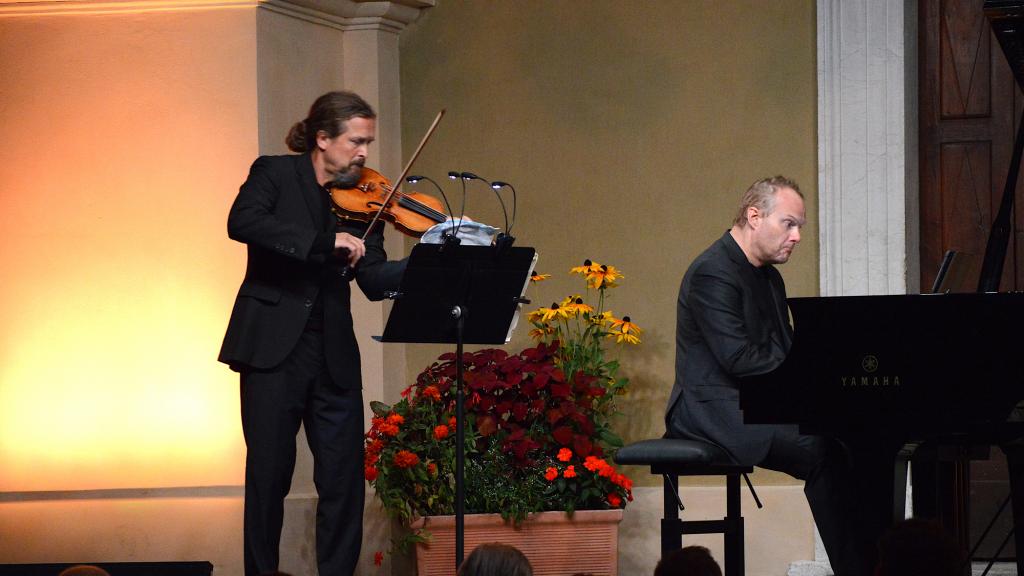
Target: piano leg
x,y
941,487
1015,469
873,464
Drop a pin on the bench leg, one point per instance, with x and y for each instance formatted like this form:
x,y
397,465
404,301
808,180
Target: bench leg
x,y
734,528
671,530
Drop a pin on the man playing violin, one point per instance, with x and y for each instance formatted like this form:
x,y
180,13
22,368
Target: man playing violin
x,y
291,336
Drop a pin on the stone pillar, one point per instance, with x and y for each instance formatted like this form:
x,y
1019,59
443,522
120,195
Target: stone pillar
x,y
867,158
866,140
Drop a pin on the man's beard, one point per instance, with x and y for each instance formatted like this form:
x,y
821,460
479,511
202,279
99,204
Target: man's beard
x,y
347,179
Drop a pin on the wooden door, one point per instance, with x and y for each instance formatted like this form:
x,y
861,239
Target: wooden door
x,y
969,106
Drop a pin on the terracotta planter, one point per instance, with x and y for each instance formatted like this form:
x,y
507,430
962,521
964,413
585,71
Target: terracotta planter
x,y
555,543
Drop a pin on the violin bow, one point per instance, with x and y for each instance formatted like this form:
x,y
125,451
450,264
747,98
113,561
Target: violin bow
x,y
401,178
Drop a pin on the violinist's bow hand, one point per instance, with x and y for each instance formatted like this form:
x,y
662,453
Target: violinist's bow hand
x,y
349,247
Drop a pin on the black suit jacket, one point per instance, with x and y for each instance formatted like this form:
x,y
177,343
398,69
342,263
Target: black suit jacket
x,y
732,321
279,213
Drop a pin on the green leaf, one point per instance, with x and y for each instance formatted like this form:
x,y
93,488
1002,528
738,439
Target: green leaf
x,y
610,438
379,408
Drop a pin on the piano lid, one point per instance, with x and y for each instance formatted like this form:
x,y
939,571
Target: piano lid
x,y
921,363
1007,19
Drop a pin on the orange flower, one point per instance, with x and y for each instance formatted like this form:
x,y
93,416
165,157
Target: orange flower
x,y
388,428
451,422
406,459
396,419
614,500
551,473
431,392
570,472
432,469
565,454
440,432
538,277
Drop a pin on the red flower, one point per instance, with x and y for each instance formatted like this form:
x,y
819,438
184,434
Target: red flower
x,y
565,454
594,463
378,558
451,422
370,473
432,469
406,459
562,435
551,473
431,392
570,472
396,419
389,429
374,448
441,432
614,500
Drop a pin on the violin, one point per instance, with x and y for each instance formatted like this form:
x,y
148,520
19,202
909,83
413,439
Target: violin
x,y
412,213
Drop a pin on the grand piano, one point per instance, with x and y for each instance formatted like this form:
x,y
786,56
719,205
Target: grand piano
x,y
885,374
888,374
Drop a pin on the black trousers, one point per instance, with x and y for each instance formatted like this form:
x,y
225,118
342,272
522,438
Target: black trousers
x,y
820,462
274,403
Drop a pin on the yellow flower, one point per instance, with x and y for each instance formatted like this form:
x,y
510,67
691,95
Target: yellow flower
x,y
586,269
603,277
538,277
541,332
535,316
545,315
625,330
602,318
598,275
574,305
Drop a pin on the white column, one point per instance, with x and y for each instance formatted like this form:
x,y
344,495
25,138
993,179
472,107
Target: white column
x,y
862,148
866,137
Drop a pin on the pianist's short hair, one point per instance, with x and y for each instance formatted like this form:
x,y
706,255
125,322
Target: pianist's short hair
x,y
761,195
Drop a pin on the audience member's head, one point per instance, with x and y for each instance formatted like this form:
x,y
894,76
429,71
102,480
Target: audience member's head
x,y
918,546
84,570
496,560
689,561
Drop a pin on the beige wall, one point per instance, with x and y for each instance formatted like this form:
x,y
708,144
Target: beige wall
x,y
127,131
629,129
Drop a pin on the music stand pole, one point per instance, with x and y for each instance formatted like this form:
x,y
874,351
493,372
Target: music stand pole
x,y
439,285
460,442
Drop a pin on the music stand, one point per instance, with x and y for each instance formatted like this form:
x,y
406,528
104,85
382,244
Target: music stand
x,y
452,294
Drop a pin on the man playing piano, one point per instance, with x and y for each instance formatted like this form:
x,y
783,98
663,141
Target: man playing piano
x,y
732,321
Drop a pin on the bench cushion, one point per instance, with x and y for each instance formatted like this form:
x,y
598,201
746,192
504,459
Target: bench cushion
x,y
672,451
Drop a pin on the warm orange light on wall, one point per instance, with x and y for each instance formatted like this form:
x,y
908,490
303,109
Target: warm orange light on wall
x,y
123,148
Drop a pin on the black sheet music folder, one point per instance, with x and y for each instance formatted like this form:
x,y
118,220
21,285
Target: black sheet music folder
x,y
486,283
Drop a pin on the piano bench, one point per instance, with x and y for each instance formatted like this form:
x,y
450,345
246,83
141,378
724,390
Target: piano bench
x,y
672,458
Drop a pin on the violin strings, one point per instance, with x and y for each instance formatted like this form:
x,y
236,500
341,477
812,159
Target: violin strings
x,y
420,208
